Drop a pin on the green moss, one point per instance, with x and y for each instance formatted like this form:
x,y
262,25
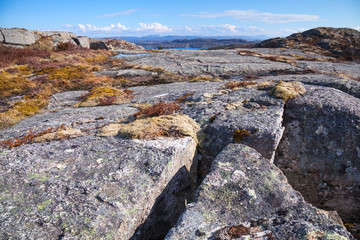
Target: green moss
x,y
43,205
104,96
66,73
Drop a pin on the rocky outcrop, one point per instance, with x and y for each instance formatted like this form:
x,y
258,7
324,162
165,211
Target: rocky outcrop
x,y
246,197
113,44
340,42
22,38
88,179
17,37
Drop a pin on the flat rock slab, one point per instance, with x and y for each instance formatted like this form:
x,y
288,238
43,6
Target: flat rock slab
x,y
86,188
320,150
247,197
222,63
344,84
87,119
351,69
128,73
64,100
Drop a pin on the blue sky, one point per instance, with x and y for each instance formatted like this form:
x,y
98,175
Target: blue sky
x,y
185,17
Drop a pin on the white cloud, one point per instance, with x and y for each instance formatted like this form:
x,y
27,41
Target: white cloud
x,y
357,28
153,27
188,29
266,17
127,12
111,28
68,25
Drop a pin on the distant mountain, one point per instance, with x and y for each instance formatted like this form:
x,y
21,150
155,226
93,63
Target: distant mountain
x,y
151,42
175,37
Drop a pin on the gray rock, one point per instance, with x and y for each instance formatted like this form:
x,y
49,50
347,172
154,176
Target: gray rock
x,y
59,36
320,150
17,36
128,73
86,188
247,192
114,44
222,63
350,69
88,119
344,84
1,36
64,100
98,45
82,41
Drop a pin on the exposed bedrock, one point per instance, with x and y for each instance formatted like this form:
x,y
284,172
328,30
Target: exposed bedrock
x,y
246,197
320,150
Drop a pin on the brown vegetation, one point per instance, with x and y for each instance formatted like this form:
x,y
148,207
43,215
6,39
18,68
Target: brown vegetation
x,y
158,109
28,138
237,84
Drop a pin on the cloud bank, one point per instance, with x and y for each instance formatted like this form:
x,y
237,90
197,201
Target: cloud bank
x,y
254,16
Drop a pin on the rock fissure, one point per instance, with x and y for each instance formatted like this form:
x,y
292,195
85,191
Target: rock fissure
x,y
3,36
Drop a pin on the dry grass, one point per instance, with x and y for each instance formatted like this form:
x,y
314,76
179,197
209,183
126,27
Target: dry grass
x,y
21,110
39,71
177,125
237,84
104,96
158,109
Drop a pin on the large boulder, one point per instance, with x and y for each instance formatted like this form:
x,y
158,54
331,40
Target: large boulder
x,y
17,36
82,41
320,150
113,44
247,197
88,187
59,36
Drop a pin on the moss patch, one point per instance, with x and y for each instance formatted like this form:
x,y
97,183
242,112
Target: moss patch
x,y
102,96
177,125
287,90
20,111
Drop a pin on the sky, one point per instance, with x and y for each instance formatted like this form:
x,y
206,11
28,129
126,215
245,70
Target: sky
x,y
107,18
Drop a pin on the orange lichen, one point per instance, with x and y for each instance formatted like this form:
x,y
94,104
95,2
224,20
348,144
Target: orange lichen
x,y
240,134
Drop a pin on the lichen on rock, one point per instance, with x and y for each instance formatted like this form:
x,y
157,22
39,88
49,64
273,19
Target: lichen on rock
x,y
288,90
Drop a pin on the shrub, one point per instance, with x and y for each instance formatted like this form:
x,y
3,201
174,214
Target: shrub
x,y
10,55
251,77
158,109
28,138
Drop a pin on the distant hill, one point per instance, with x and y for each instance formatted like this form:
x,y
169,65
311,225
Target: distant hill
x,y
343,43
189,42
